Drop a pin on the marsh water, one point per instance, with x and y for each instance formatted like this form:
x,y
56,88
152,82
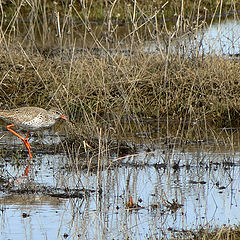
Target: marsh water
x,y
177,190
220,39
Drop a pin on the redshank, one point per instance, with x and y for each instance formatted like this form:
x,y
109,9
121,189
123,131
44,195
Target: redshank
x,y
30,119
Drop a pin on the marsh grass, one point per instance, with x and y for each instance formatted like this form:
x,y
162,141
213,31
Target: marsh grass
x,y
97,94
225,232
111,84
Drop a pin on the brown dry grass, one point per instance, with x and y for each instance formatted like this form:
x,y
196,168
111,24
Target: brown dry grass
x,y
225,232
96,92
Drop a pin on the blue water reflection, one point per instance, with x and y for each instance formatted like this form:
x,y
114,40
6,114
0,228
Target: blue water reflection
x,y
207,188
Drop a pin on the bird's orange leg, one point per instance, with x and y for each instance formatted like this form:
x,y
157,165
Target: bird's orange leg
x,y
25,140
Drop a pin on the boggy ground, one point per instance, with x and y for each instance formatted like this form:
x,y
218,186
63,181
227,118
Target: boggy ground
x,y
119,88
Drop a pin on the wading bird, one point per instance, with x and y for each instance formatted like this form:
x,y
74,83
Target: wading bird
x,y
30,119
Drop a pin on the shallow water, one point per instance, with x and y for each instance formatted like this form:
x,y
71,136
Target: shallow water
x,y
205,181
220,39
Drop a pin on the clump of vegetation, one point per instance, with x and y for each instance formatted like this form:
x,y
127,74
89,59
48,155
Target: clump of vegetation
x,y
120,11
96,92
106,81
225,232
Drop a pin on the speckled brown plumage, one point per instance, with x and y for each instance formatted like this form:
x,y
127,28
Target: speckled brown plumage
x,y
30,119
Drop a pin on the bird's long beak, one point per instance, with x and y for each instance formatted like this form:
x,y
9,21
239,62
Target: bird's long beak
x,y
63,117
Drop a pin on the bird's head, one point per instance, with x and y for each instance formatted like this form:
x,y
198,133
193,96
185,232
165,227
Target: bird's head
x,y
57,114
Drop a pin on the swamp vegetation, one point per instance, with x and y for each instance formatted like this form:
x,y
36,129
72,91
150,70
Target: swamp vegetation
x,y
94,61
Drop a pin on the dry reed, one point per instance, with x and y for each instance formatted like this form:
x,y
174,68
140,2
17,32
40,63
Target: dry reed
x,y
103,85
